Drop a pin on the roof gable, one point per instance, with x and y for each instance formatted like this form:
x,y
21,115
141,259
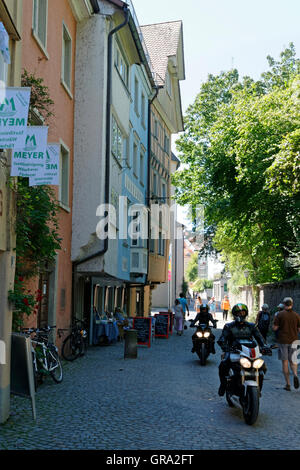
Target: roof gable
x,y
162,41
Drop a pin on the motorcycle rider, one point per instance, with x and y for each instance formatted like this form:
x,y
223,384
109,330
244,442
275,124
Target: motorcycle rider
x,y
238,329
204,317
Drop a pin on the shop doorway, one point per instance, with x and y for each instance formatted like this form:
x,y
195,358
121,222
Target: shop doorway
x,y
43,303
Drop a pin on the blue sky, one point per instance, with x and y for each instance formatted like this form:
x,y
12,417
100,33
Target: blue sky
x,y
219,34
222,34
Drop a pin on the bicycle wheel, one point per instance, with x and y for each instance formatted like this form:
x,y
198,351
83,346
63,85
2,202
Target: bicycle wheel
x,y
72,347
55,366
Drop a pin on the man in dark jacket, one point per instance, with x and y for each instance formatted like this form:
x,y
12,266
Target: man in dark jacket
x,y
203,318
263,320
238,329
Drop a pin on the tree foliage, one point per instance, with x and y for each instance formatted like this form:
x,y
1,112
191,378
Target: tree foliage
x,y
241,147
192,268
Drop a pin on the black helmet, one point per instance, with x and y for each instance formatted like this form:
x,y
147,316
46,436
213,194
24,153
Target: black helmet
x,y
239,312
204,308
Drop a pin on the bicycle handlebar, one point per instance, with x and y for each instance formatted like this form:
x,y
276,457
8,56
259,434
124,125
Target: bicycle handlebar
x,y
38,330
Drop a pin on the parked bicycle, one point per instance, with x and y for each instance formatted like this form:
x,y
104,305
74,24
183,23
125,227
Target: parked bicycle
x,y
44,355
76,342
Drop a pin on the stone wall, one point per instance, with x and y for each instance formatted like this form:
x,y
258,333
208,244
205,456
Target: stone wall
x,y
271,294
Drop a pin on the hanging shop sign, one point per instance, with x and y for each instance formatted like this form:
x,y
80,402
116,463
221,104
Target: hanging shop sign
x,y
14,106
50,173
30,160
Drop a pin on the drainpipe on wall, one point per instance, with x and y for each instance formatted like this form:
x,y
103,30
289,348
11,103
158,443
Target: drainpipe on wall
x,y
107,137
148,178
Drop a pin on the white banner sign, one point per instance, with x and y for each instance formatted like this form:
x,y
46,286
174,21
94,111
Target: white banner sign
x,y
50,173
14,106
4,44
30,160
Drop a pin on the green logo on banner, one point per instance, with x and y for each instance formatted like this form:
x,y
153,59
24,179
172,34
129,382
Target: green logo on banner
x,y
8,108
30,143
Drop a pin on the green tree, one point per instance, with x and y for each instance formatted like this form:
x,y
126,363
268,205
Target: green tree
x,y
241,147
192,268
201,284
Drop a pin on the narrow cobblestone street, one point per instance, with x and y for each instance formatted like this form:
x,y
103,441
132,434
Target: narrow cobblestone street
x,y
162,400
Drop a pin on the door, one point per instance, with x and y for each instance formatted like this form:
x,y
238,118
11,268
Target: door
x,y
43,310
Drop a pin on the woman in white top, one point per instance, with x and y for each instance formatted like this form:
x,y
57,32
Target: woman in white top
x,y
179,317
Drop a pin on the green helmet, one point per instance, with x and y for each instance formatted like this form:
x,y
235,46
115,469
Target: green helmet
x,y
237,312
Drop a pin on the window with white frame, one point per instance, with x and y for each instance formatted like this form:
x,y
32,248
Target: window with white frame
x,y
40,16
161,243
135,229
135,159
66,57
64,176
156,129
136,95
163,192
143,110
154,186
152,243
142,164
121,64
168,84
119,142
166,144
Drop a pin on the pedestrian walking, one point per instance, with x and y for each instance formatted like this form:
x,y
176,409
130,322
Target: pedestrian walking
x,y
184,303
212,307
225,306
275,338
280,308
263,320
287,323
179,317
198,303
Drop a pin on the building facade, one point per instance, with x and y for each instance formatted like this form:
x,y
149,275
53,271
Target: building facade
x,y
48,52
10,75
164,42
114,84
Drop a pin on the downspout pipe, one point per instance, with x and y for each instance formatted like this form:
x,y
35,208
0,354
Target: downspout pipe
x,y
107,136
148,177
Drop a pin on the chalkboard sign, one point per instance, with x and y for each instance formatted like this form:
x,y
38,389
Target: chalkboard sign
x,y
162,325
143,327
171,321
22,375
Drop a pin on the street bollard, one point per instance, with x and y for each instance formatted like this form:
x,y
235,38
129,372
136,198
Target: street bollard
x,y
130,346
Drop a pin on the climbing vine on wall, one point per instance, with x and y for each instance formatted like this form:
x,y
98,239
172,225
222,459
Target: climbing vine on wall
x,y
37,229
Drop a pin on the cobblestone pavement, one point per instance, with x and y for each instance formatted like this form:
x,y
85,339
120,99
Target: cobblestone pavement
x,y
163,400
